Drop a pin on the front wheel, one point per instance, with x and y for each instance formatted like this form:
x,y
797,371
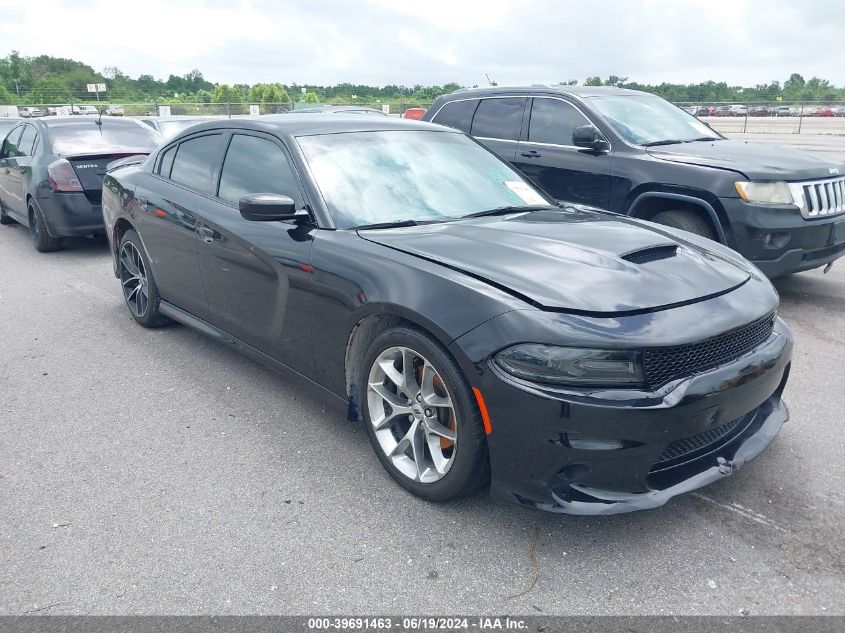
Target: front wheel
x,y
139,288
421,416
686,221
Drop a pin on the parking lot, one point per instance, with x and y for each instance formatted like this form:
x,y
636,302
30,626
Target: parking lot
x,y
155,471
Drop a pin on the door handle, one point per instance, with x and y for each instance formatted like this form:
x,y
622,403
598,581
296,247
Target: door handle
x,y
143,204
531,154
206,234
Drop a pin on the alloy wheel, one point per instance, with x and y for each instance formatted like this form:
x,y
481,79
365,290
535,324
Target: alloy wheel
x,y
412,414
133,278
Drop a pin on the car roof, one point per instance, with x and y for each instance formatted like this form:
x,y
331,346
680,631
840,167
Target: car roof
x,y
72,121
177,117
578,91
337,108
295,124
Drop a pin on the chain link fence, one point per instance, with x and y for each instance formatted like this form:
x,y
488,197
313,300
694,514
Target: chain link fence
x,y
775,117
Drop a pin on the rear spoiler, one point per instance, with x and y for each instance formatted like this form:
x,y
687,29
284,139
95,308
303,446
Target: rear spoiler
x,y
135,159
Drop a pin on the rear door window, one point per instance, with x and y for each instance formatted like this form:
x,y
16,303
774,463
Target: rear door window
x,y
257,165
552,121
166,162
457,114
10,145
25,145
196,161
499,118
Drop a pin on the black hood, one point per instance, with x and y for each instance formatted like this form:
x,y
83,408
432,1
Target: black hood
x,y
755,162
574,261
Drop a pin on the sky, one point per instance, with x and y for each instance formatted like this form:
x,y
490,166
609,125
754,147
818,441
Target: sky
x,y
408,42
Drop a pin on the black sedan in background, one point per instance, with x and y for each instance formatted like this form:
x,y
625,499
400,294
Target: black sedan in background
x,y
51,173
579,361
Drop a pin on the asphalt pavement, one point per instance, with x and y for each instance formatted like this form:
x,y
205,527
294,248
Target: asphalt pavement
x,y
157,472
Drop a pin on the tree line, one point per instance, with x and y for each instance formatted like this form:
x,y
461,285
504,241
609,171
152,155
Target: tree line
x,y
55,80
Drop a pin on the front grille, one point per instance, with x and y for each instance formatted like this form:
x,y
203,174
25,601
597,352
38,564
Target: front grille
x,y
666,363
689,447
820,197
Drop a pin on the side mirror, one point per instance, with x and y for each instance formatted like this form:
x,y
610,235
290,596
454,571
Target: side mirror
x,y
589,137
267,207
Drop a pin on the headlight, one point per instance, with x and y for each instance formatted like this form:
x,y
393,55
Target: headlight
x,y
572,366
765,192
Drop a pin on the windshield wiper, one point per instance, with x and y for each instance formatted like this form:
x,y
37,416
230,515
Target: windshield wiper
x,y
704,138
509,209
387,225
668,141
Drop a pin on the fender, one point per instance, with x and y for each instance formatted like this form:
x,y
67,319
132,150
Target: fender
x,y
714,217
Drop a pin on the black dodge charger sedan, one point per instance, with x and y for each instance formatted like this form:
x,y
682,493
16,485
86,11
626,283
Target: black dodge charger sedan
x,y
51,173
578,361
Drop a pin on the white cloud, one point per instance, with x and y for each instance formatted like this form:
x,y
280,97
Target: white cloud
x,y
438,41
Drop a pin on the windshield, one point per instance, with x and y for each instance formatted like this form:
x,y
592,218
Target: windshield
x,y
649,119
90,138
394,176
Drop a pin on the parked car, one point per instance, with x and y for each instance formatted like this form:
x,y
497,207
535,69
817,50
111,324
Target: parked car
x,y
84,109
759,110
636,154
839,111
648,361
31,112
700,111
51,173
170,126
738,110
824,111
808,111
782,110
114,110
723,111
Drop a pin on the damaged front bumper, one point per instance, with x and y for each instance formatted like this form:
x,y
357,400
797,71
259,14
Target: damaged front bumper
x,y
609,452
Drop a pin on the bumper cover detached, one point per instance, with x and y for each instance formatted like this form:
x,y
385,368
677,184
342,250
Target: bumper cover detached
x,y
613,451
717,464
71,215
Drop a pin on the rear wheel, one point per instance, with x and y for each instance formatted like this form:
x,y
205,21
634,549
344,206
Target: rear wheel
x,y
421,417
41,238
686,221
136,279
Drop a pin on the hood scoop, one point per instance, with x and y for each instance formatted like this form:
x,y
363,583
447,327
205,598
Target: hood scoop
x,y
651,254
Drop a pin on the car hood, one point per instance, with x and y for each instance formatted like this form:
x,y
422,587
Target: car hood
x,y
755,162
574,260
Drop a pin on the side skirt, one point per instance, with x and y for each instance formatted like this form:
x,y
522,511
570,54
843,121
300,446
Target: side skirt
x,y
186,318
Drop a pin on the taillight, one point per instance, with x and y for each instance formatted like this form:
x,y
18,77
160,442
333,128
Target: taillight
x,y
62,177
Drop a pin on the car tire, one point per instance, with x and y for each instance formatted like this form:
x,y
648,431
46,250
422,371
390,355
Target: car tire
x,y
41,238
468,466
686,221
136,279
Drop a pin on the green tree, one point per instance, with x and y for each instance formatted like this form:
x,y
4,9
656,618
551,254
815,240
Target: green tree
x,y
593,81
310,97
49,91
6,97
